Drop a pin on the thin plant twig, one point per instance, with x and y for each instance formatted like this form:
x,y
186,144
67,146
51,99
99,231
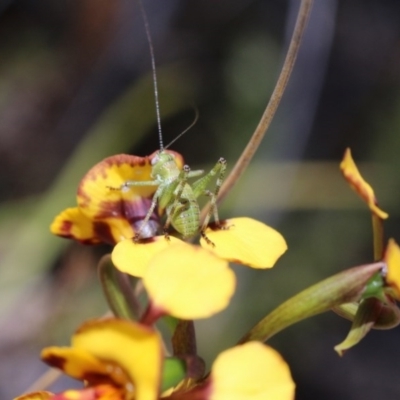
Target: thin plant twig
x,y
266,119
45,380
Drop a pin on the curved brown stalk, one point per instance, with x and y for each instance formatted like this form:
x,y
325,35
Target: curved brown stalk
x,y
266,119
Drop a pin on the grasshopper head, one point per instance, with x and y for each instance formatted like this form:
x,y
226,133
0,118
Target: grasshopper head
x,y
165,161
160,157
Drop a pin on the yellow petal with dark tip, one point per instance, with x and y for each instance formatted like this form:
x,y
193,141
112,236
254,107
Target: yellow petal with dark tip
x,y
72,224
134,258
356,181
189,282
252,371
246,241
115,208
76,363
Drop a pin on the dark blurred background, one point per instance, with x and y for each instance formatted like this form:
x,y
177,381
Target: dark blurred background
x,y
75,87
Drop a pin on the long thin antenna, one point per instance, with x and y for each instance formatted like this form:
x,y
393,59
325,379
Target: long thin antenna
x,y
196,117
153,67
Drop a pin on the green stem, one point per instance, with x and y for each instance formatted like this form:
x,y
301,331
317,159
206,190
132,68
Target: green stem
x,y
117,290
344,287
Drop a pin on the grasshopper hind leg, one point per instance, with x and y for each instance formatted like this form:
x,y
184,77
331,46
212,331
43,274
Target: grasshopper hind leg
x,y
181,205
200,188
212,212
220,169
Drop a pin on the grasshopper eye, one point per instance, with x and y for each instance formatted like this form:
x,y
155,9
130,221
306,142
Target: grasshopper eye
x,y
155,159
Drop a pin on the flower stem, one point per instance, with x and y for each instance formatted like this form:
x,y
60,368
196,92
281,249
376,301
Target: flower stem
x,y
117,290
378,237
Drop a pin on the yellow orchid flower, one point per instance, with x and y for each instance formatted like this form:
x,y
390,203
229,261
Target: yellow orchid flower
x,y
119,360
241,240
189,281
116,359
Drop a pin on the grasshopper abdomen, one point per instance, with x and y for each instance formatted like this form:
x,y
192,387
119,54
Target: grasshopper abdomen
x,y
185,218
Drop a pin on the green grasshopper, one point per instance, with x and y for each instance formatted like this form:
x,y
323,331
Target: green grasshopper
x,y
178,197
174,194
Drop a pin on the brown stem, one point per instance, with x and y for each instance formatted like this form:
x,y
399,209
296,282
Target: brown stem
x,y
266,119
184,339
378,237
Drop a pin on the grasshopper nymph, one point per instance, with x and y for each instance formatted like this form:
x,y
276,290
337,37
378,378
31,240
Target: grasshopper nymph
x,y
174,194
177,197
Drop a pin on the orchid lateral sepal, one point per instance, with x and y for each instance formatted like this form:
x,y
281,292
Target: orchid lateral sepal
x,y
344,287
364,320
368,313
117,290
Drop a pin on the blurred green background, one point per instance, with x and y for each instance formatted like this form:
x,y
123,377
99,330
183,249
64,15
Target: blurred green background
x,y
75,87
